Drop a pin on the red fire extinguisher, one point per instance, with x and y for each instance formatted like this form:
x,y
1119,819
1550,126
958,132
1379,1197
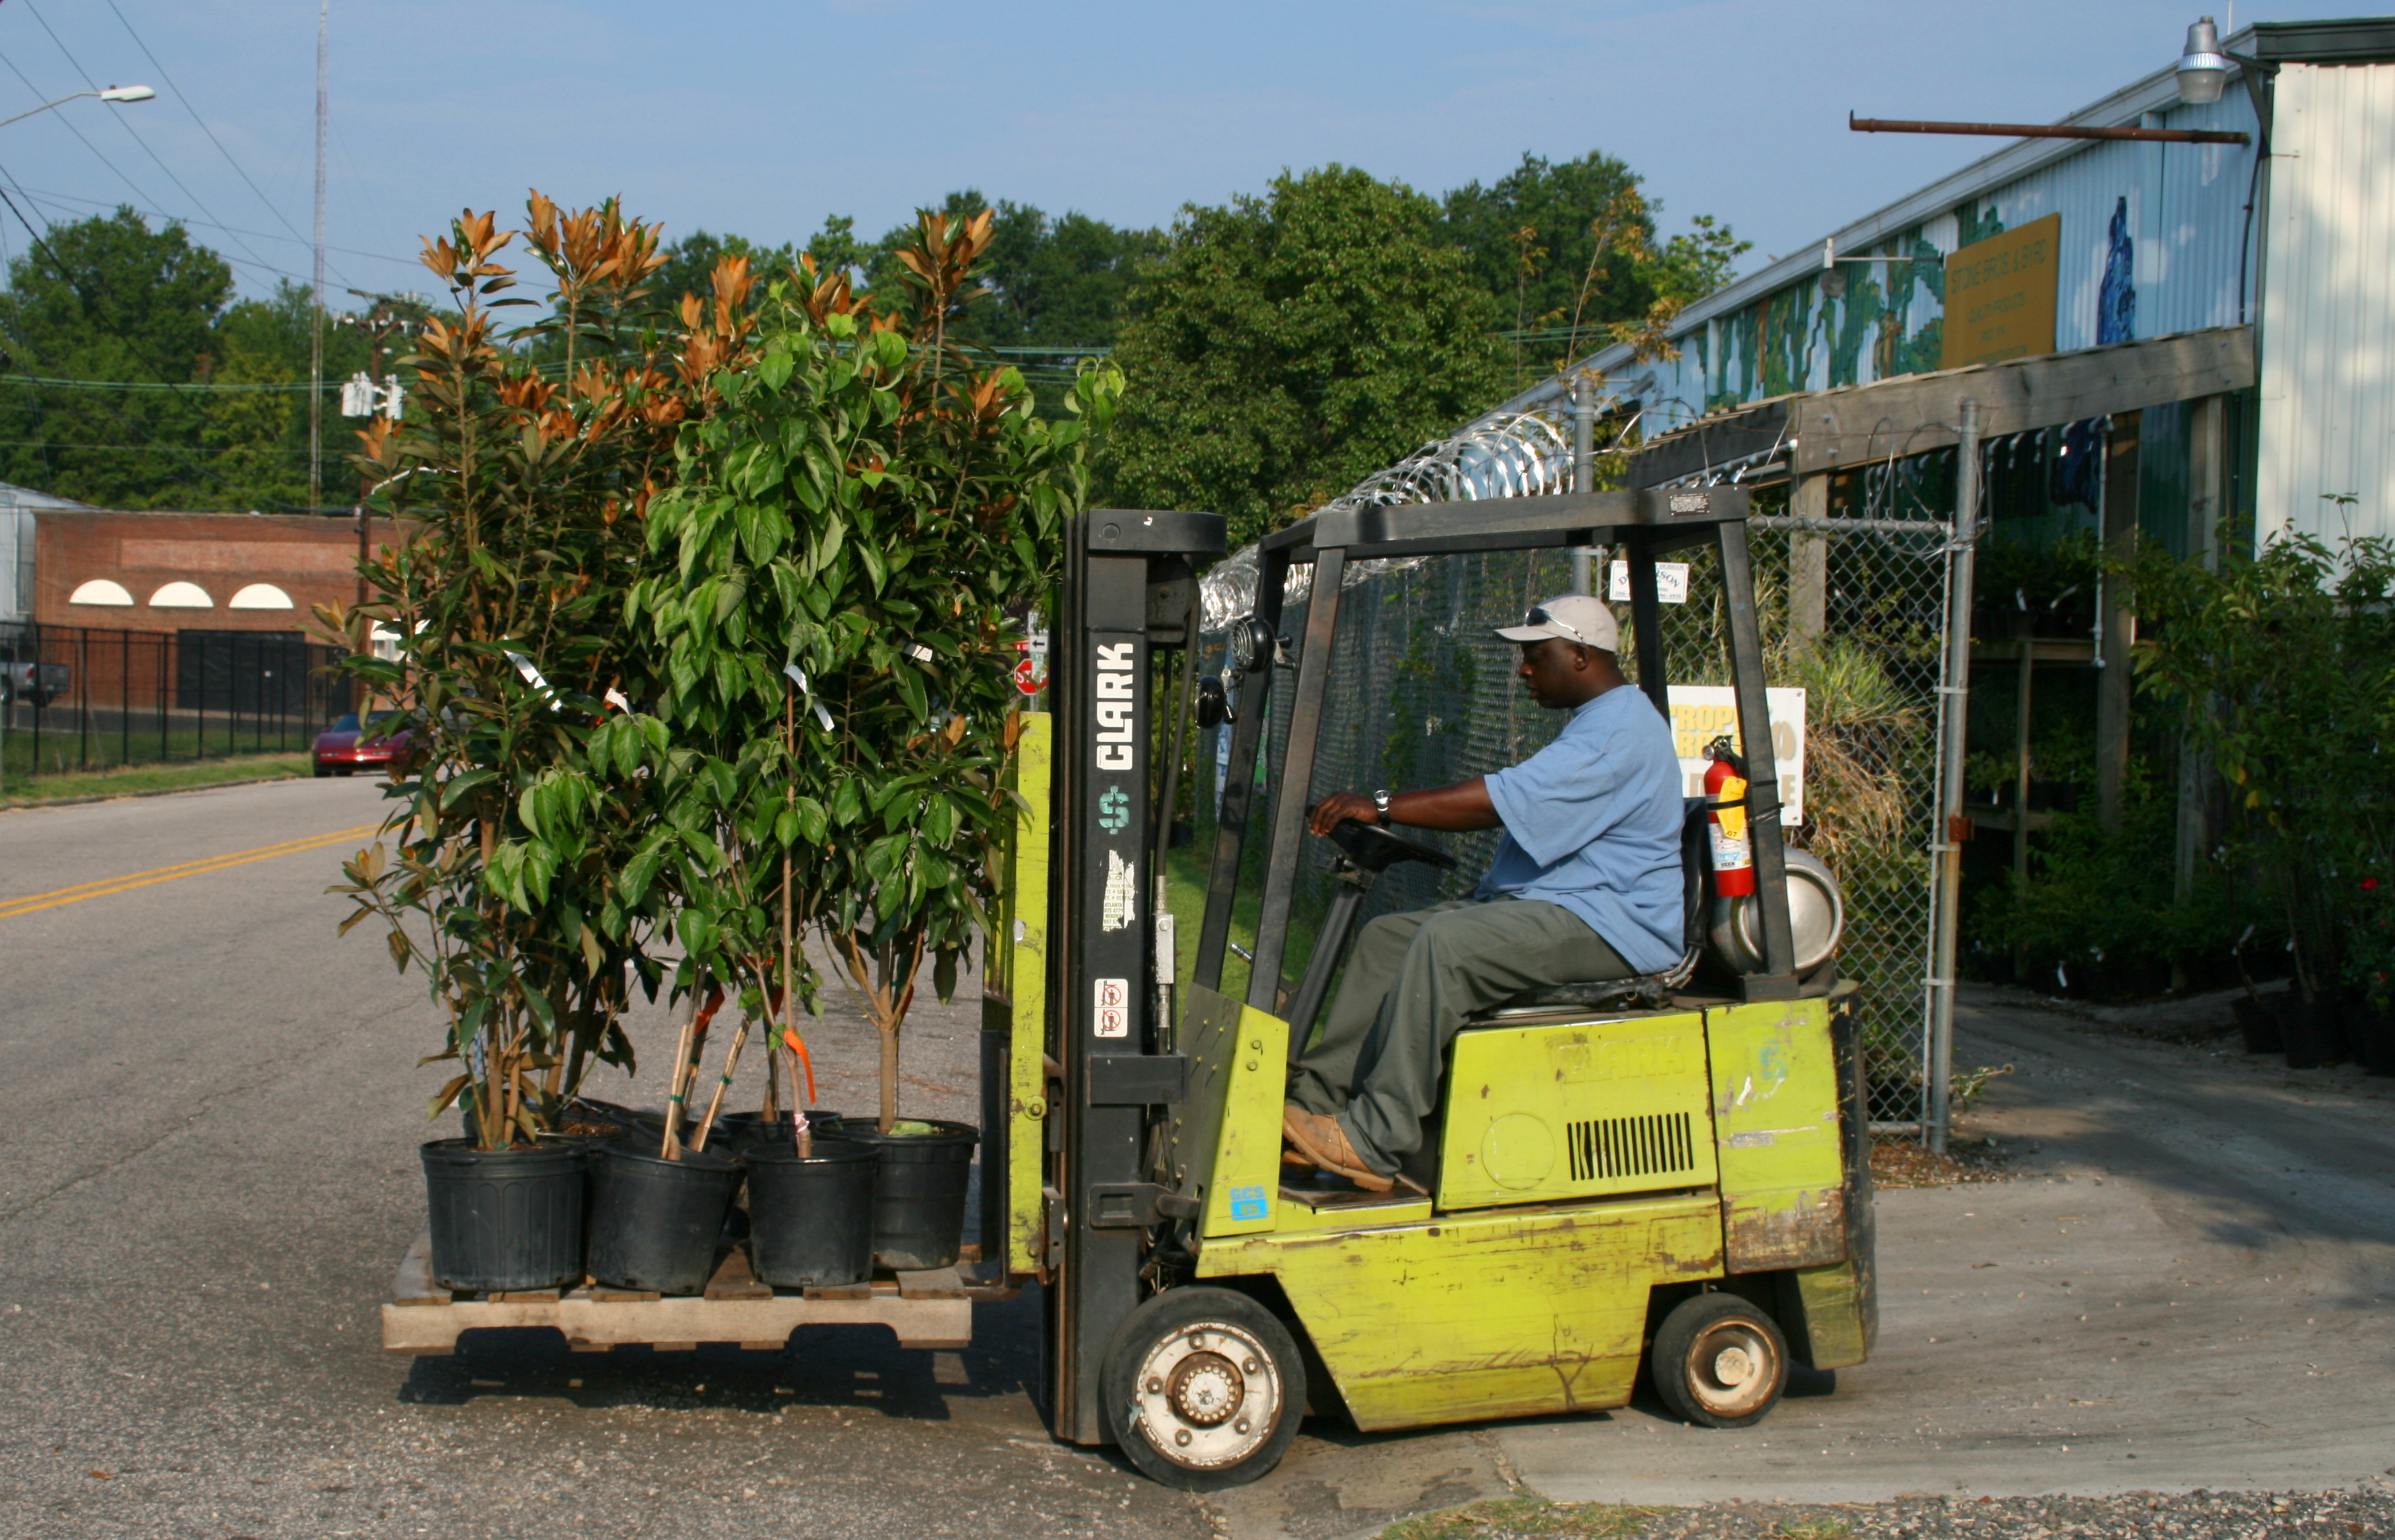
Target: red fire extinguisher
x,y
1725,789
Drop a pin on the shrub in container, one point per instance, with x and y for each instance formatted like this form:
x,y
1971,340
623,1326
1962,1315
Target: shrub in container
x,y
831,588
510,867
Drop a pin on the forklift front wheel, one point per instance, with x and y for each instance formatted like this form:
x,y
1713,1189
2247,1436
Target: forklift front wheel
x,y
1719,1361
1205,1388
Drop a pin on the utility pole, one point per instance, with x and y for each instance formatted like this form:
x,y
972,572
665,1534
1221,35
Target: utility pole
x,y
316,331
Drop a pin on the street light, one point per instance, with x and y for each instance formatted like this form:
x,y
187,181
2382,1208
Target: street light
x,y
2203,68
119,94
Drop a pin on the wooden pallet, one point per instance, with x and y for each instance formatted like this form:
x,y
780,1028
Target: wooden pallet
x,y
924,1310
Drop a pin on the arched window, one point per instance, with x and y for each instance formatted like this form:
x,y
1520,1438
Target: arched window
x,y
100,591
182,596
259,596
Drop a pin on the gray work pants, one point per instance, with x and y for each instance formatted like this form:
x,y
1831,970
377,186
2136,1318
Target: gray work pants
x,y
1411,981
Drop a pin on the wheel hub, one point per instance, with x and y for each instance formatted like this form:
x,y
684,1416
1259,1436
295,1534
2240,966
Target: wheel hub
x,y
1208,1396
1207,1388
1732,1369
1733,1366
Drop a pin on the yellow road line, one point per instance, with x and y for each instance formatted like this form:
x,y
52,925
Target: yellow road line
x,y
32,902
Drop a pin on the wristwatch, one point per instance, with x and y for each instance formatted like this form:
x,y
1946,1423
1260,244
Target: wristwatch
x,y
1381,805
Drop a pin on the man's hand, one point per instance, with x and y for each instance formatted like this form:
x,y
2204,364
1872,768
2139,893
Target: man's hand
x,y
1340,807
1462,806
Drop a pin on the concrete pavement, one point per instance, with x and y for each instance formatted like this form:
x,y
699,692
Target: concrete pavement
x,y
210,1175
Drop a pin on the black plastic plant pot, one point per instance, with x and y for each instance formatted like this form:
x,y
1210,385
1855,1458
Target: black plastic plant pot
x,y
2314,1037
505,1219
2371,1033
742,1131
918,1191
811,1216
2257,1023
653,1221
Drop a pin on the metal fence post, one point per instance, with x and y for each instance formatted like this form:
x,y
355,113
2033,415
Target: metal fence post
x,y
1953,720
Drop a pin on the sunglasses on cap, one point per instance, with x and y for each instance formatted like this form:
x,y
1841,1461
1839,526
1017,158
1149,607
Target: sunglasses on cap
x,y
1538,617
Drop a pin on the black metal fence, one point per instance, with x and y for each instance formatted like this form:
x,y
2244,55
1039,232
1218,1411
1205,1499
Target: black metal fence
x,y
78,699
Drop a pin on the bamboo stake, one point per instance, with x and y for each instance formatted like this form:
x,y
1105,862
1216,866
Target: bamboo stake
x,y
773,1052
683,1056
722,1086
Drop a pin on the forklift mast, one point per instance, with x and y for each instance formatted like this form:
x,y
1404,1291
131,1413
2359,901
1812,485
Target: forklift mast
x,y
1130,606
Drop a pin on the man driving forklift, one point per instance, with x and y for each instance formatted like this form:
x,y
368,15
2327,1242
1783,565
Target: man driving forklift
x,y
1585,886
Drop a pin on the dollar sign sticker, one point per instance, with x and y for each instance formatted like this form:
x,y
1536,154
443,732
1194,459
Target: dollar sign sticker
x,y
1114,810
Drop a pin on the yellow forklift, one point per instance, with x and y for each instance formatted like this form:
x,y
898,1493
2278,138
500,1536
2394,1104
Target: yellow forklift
x,y
1671,1170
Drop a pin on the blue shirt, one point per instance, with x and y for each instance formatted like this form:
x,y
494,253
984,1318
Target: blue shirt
x,y
1592,823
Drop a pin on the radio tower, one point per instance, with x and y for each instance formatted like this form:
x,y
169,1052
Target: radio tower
x,y
316,338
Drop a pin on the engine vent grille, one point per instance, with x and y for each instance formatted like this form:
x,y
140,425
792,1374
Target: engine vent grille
x,y
1608,1148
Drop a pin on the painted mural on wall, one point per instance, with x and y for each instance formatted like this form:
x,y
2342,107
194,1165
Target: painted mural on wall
x,y
2116,298
2152,239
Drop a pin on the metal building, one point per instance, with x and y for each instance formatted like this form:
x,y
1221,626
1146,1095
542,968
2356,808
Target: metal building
x,y
2283,237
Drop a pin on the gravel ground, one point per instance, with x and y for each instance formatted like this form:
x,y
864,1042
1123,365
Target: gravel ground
x,y
2131,1515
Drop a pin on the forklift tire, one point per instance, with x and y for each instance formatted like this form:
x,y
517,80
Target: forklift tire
x,y
1204,1388
1719,1361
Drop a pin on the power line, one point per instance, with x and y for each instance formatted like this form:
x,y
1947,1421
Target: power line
x,y
238,170
46,195
68,123
65,272
248,387
237,261
124,122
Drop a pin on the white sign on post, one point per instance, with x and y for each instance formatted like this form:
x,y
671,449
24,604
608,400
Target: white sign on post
x,y
1703,713
1671,583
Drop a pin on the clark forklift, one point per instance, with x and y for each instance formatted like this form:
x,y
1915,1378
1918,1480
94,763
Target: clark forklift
x,y
1671,1170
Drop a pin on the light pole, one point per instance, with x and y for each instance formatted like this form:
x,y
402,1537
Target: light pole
x,y
119,94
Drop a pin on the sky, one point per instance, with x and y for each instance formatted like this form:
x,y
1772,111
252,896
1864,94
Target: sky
x,y
762,118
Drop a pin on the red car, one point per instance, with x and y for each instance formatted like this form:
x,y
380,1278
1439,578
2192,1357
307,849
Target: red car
x,y
345,746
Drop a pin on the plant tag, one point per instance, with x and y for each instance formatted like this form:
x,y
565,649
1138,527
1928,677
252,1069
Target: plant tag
x,y
799,677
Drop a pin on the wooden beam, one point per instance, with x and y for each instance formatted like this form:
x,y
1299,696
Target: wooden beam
x,y
1711,440
1914,414
1808,565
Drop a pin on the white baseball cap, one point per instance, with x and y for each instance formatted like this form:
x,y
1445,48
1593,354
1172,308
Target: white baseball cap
x,y
1572,618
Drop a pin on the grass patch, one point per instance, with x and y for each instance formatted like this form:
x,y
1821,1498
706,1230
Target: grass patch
x,y
1506,1518
153,777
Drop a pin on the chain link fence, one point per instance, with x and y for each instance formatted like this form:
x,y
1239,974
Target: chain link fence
x,y
78,699
1853,610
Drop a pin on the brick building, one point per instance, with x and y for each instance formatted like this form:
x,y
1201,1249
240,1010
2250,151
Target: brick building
x,y
182,572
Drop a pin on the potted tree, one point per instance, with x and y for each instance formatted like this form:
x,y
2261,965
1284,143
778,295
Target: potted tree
x,y
516,866
836,565
2276,666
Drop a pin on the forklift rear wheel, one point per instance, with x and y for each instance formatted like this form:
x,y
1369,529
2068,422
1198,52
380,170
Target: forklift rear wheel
x,y
1719,1361
1205,1388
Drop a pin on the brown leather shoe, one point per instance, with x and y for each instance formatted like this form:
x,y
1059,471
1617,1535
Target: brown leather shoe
x,y
1322,1141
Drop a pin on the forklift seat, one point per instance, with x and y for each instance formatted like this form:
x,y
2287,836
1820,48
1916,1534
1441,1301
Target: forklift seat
x,y
1645,991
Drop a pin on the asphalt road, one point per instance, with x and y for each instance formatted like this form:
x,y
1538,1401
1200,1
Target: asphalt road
x,y
210,1175
207,1181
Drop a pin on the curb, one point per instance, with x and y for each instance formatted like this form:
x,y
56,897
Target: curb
x,y
127,796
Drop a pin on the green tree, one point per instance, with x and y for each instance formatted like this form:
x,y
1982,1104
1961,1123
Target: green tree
x,y
690,264
108,298
1568,250
256,443
1286,346
847,535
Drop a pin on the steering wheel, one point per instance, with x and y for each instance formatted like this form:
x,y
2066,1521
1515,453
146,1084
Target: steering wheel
x,y
1376,848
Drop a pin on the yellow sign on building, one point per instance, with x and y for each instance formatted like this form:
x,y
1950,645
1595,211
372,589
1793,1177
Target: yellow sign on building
x,y
2000,296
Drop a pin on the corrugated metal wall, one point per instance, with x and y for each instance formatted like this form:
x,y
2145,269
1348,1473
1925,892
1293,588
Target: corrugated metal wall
x,y
2182,209
2328,306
